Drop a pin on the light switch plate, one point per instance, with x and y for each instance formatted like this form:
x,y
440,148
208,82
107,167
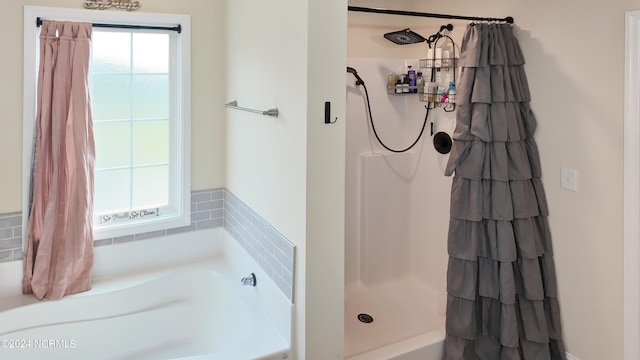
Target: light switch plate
x,y
569,179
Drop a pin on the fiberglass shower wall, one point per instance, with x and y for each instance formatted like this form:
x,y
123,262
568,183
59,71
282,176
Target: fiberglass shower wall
x,y
397,204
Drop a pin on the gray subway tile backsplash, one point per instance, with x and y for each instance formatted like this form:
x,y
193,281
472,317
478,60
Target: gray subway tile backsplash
x,y
182,229
10,237
6,233
10,220
209,209
266,244
6,255
151,234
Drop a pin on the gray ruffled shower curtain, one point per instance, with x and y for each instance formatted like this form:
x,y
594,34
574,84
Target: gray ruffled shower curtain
x,y
502,298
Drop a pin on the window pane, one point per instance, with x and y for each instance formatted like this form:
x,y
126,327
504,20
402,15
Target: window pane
x,y
111,97
150,187
151,97
150,142
113,144
111,52
115,190
135,87
150,53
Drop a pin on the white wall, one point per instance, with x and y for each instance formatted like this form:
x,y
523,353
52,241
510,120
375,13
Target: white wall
x,y
575,55
325,181
291,169
265,160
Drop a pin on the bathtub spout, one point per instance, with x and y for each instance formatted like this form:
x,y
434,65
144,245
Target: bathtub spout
x,y
249,280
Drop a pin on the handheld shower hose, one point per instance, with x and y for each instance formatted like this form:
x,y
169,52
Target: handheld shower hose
x,y
353,71
359,82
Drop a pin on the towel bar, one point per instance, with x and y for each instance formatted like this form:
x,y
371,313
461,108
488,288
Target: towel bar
x,y
234,105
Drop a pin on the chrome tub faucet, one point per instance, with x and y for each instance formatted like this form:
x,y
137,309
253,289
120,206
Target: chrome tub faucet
x,y
249,280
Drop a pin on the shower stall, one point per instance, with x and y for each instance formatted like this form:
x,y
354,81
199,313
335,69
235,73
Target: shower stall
x,y
397,211
397,203
397,207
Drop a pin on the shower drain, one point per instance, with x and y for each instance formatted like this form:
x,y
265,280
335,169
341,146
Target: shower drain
x,y
365,318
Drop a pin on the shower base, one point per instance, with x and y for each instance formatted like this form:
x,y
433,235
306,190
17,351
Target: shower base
x,y
408,321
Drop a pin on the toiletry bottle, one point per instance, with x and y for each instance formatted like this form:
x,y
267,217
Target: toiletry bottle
x,y
419,82
399,84
446,55
411,74
429,58
444,93
452,92
391,83
440,85
438,59
428,92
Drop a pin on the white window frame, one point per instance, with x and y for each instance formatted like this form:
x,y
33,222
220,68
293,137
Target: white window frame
x,y
182,216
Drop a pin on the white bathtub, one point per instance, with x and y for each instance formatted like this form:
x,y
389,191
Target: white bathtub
x,y
184,301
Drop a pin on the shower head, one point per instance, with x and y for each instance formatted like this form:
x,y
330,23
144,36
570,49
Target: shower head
x,y
404,37
353,71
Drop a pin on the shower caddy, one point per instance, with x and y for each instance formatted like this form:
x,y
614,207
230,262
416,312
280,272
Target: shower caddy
x,y
435,92
434,63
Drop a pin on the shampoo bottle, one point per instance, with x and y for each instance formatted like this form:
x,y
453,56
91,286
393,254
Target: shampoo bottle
x,y
411,73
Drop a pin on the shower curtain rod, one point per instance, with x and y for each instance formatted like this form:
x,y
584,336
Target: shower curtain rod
x,y
508,19
177,28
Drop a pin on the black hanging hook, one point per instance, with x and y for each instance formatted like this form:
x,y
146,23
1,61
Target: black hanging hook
x,y
447,27
434,38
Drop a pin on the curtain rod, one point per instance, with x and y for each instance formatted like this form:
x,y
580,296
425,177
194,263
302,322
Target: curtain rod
x,y
177,28
508,19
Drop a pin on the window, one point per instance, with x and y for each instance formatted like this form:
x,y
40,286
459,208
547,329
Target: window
x,y
139,82
135,117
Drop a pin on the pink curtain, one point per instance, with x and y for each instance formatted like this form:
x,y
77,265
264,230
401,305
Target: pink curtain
x,y
59,245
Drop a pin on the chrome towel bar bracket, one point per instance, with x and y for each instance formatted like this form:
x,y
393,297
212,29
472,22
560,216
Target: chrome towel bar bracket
x,y
234,105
